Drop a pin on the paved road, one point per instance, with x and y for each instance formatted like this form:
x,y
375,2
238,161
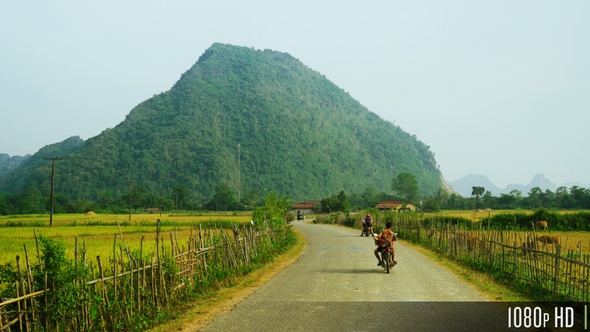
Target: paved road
x,y
336,284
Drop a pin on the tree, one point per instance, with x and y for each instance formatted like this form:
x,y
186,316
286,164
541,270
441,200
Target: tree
x,y
517,194
369,197
181,194
251,199
453,202
477,192
581,197
343,201
406,186
224,199
535,199
488,199
563,199
431,205
506,201
31,201
330,204
106,199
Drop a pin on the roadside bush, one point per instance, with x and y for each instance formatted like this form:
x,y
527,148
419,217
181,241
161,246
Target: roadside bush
x,y
274,212
572,222
437,220
57,273
511,221
349,220
579,221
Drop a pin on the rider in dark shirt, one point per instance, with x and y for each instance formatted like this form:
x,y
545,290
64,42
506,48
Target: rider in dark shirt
x,y
368,221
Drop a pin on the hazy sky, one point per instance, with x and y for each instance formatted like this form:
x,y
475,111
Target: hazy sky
x,y
500,88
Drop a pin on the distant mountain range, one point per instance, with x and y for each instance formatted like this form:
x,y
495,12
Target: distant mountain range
x,y
464,185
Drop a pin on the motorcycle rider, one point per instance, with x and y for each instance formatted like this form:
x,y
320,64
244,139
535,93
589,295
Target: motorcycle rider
x,y
385,238
367,222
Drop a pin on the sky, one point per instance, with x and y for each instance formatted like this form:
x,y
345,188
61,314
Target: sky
x,y
499,88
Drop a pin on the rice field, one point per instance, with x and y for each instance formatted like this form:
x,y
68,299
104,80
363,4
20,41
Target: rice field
x,y
98,232
575,241
476,215
483,214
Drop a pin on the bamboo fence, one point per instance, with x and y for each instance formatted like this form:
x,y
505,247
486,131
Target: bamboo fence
x,y
127,287
561,275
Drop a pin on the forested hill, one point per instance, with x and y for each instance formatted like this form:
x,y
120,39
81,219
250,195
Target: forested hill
x,y
297,133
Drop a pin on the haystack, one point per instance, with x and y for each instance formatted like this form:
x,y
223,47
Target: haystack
x,y
90,213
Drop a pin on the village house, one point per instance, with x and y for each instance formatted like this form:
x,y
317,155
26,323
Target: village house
x,y
396,206
307,207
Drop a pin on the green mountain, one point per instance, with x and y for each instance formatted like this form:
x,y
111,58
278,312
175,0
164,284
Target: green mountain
x,y
36,170
249,118
8,163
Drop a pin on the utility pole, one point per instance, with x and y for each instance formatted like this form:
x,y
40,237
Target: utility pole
x,y
52,185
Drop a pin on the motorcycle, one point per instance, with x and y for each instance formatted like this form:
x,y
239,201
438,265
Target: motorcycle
x,y
387,258
367,230
386,254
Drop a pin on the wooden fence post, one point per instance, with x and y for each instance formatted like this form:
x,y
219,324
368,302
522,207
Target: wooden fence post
x,y
38,251
556,268
23,293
